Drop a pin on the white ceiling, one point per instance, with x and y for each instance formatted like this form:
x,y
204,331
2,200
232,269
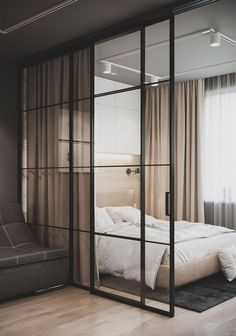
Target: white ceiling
x,y
194,57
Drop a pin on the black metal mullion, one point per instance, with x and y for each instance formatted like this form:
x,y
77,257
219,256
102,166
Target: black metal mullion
x,y
172,159
71,179
96,167
19,136
55,104
109,93
92,189
49,226
43,107
142,189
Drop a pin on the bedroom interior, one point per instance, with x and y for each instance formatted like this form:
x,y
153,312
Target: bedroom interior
x,y
127,160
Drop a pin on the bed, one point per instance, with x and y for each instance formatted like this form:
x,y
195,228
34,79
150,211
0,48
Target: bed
x,y
196,247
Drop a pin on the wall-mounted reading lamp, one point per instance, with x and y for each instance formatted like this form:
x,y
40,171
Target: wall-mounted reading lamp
x,y
134,171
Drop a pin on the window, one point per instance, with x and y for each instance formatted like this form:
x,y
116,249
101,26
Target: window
x,y
219,181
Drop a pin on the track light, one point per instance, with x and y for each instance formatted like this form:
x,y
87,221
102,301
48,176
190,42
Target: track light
x,y
107,68
215,39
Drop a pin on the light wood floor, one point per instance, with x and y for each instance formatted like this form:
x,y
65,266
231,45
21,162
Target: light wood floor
x,y
74,312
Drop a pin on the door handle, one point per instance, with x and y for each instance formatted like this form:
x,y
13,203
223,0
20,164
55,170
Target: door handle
x,y
167,203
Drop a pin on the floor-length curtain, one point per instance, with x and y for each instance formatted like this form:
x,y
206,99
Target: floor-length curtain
x,y
219,150
46,95
81,176
187,141
189,102
156,149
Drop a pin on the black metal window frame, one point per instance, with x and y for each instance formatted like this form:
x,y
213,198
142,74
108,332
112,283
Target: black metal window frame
x,y
90,42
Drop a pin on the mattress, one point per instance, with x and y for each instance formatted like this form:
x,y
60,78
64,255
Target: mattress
x,y
188,251
189,271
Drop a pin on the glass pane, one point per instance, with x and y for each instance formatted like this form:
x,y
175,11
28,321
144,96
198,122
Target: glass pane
x,y
47,139
51,237
81,72
82,258
82,199
157,270
157,52
24,140
156,202
157,124
117,198
118,266
199,53
81,134
117,129
117,63
24,187
48,197
47,83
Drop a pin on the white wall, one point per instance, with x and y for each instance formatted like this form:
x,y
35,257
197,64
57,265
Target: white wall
x,y
117,119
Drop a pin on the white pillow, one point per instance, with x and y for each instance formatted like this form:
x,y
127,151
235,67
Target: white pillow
x,y
103,221
126,214
114,216
227,257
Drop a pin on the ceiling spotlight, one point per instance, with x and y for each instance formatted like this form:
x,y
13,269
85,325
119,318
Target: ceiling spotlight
x,y
107,68
215,39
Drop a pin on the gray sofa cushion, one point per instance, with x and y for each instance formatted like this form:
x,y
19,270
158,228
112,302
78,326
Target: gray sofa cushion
x,y
18,234
29,253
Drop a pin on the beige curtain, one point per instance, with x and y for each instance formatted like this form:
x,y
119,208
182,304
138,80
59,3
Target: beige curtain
x,y
188,110
157,149
81,177
45,100
46,119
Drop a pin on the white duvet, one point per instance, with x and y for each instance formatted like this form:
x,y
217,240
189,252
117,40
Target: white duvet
x,y
121,257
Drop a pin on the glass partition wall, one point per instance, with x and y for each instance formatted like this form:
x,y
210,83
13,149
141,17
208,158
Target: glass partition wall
x,y
110,133
97,163
132,168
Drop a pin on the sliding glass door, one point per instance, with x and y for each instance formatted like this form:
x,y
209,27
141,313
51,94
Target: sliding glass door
x,y
133,227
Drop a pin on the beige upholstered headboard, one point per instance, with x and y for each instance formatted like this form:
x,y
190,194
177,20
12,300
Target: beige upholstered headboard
x,y
117,198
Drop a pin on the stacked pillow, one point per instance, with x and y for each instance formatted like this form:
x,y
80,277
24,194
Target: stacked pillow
x,y
227,258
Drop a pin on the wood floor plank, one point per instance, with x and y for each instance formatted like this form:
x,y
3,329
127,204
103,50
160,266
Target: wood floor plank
x,y
75,312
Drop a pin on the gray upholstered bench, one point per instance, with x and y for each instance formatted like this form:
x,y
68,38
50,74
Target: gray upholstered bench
x,y
25,265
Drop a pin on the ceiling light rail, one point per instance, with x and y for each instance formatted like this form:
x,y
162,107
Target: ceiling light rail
x,y
215,41
108,70
37,17
177,39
